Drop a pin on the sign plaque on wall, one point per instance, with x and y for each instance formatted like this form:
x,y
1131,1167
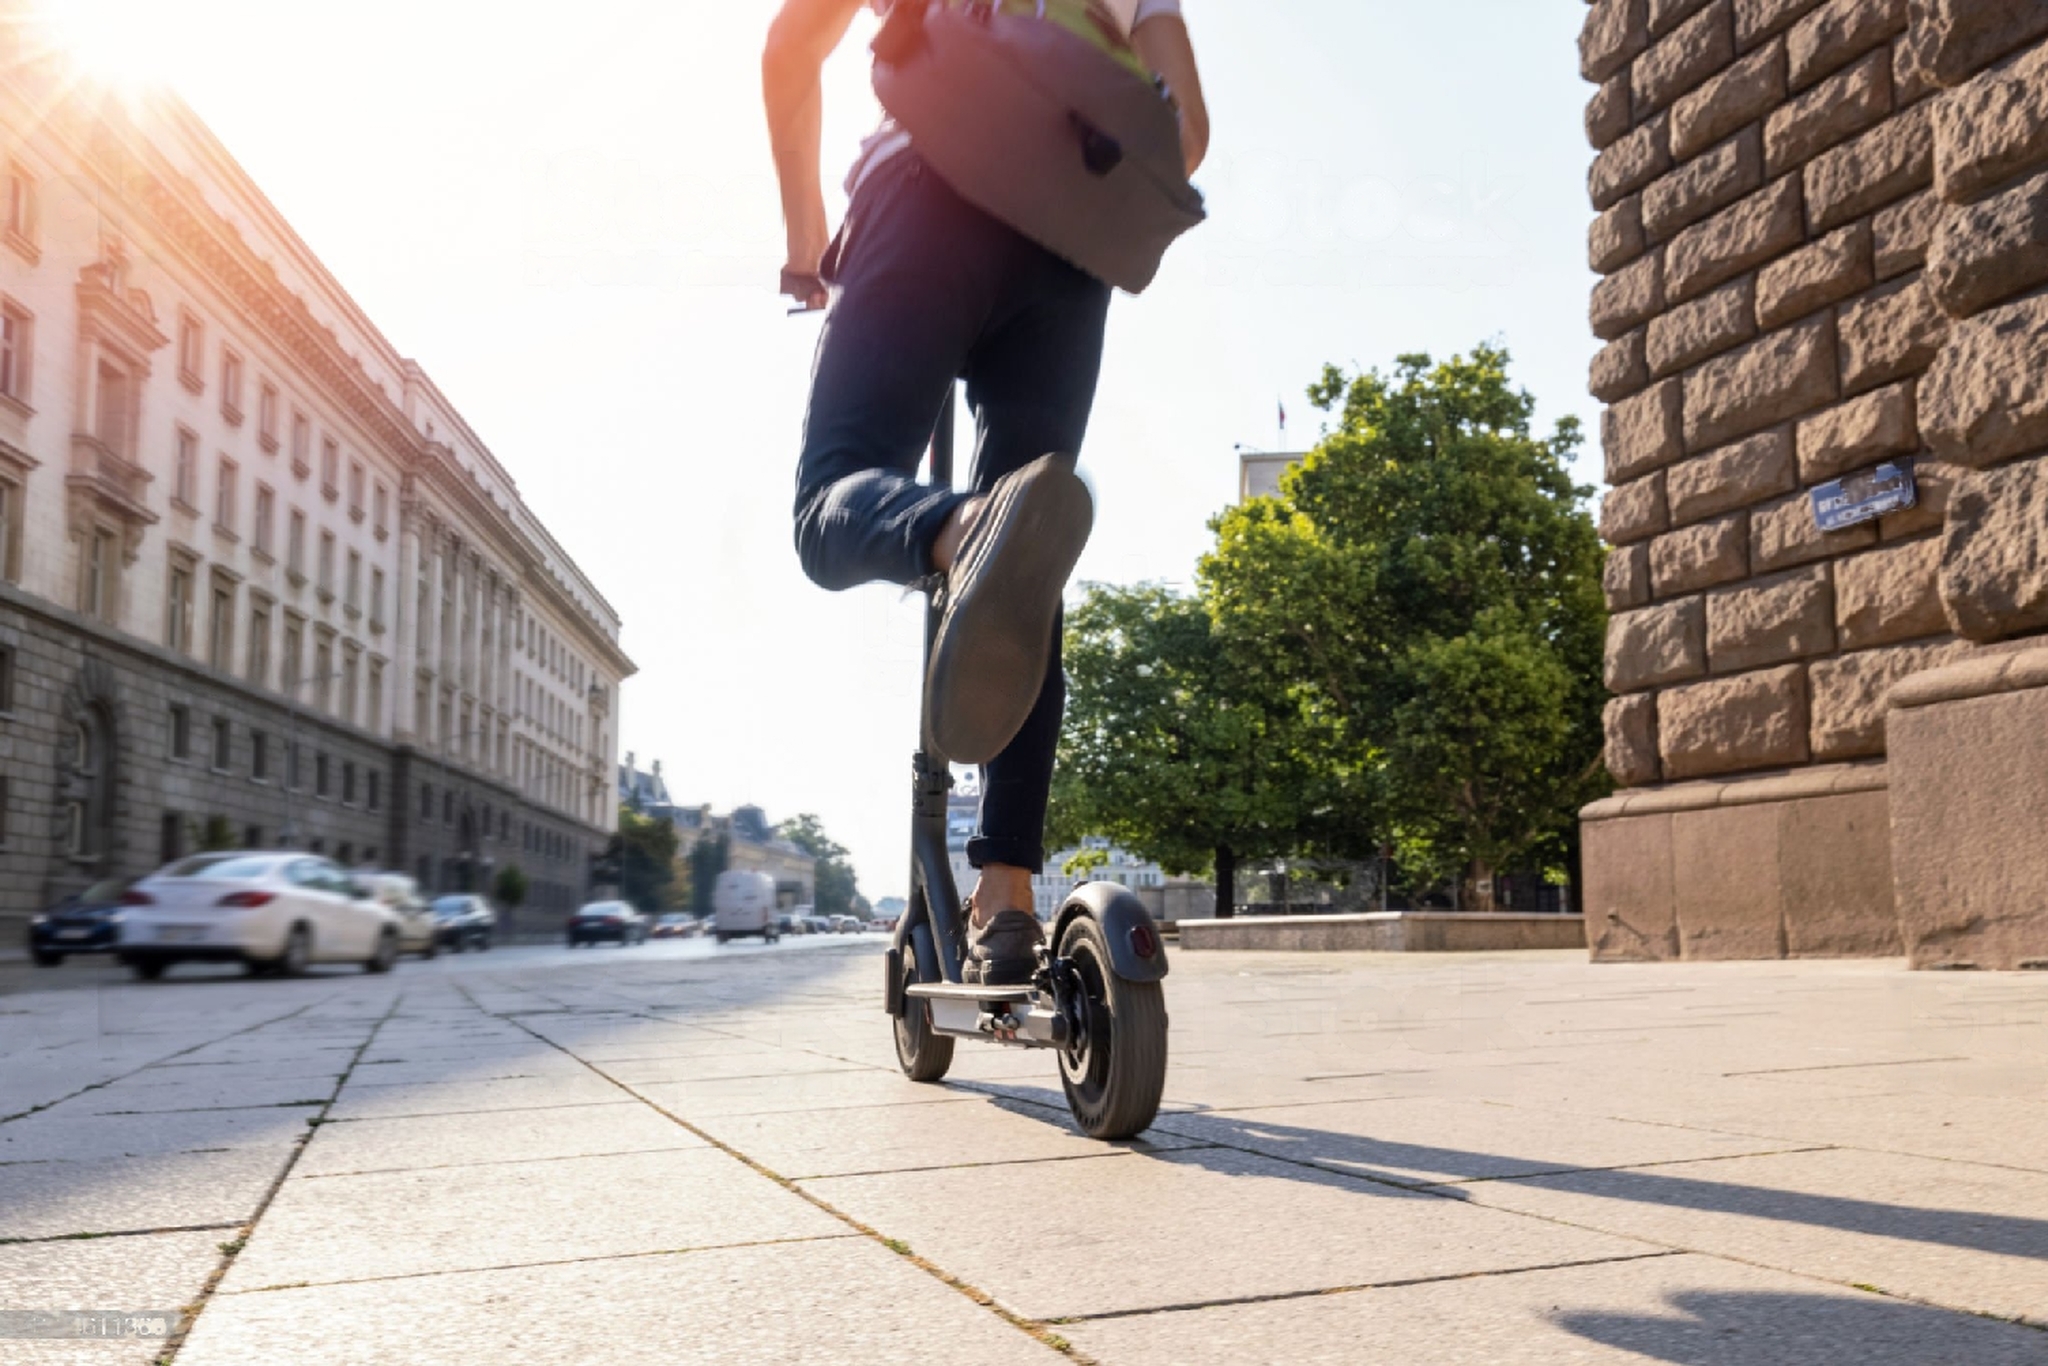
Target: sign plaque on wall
x,y
1864,496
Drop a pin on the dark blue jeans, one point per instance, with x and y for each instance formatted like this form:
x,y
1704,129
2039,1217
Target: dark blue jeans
x,y
929,290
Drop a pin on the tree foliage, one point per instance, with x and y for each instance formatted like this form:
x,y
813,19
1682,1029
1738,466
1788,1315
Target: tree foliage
x,y
511,886
836,888
647,867
708,857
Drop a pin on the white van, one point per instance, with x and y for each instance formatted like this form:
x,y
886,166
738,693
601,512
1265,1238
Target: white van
x,y
743,904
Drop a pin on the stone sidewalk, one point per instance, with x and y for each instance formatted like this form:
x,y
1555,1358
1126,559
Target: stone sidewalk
x,y
1364,1159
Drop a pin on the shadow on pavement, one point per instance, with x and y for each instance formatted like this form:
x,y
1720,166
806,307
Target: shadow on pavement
x,y
1739,1328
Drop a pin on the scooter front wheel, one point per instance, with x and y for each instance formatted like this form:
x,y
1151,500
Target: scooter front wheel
x,y
924,1054
1114,1065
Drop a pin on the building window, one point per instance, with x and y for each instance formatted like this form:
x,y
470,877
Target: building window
x,y
231,386
376,598
220,645
373,719
381,509
259,644
348,783
17,349
372,782
259,756
293,662
18,212
96,596
178,609
350,673
320,775
185,471
295,547
302,445
181,733
170,837
223,744
330,468
6,680
447,806
326,580
291,765
265,530
252,837
323,673
191,352
75,830
3,810
426,801
113,413
10,533
225,496
356,476
352,584
266,417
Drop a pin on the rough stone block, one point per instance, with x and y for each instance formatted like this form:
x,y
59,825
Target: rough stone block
x,y
1607,113
1991,250
1993,129
1634,511
1737,97
1831,269
1783,534
1969,787
1683,58
1835,877
1628,298
1626,576
1620,368
1756,20
1666,15
1994,553
1631,724
1733,476
1711,181
1728,908
1954,39
1631,897
1656,645
1728,725
1788,616
1700,556
1839,107
1849,695
1780,376
1910,84
1735,240
1615,31
1631,163
1889,595
1891,334
1986,397
1889,162
1616,237
1838,33
1900,234
1860,432
1641,434
1705,327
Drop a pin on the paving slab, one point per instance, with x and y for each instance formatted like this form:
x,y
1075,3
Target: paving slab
x,y
161,1271
167,1190
387,1100
73,1135
1683,1309
347,1228
1955,1234
1236,1224
150,1094
802,1091
771,1062
459,1140
492,1066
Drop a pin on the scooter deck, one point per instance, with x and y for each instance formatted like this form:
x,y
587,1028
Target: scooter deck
x,y
952,991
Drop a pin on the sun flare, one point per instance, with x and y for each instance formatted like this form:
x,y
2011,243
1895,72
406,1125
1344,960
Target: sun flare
x,y
123,43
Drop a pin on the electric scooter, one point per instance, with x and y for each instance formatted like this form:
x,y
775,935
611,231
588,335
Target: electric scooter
x,y
1096,1000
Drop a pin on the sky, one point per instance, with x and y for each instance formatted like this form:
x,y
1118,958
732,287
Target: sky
x,y
568,215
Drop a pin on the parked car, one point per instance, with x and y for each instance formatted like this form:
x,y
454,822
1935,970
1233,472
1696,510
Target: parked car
x,y
792,924
84,922
465,922
675,925
846,924
818,924
882,924
743,905
418,931
270,911
607,922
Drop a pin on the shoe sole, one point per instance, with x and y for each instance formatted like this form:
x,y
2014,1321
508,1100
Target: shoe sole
x,y
989,663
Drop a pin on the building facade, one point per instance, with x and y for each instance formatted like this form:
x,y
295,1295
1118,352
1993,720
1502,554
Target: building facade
x,y
260,584
751,843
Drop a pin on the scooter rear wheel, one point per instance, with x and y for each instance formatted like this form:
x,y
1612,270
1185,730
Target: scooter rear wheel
x,y
923,1054
1114,1069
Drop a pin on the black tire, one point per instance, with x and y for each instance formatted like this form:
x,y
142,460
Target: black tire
x,y
298,953
1114,1070
45,959
385,956
456,943
431,951
924,1056
147,969
484,945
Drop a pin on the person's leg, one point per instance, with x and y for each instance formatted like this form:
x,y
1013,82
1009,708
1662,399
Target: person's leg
x,y
917,280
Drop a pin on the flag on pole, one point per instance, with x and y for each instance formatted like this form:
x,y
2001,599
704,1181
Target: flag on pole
x,y
1283,417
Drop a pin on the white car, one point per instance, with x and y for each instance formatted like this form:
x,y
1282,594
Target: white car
x,y
273,912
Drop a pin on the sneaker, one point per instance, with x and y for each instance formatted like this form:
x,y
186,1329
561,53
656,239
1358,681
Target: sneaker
x,y
1004,952
997,607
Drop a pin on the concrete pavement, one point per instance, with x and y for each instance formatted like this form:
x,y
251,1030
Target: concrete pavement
x,y
672,1155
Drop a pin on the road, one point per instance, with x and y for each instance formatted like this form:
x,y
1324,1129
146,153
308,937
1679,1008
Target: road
x,y
678,1154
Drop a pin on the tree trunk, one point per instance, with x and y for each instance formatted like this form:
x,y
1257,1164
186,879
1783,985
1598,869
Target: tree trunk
x,y
1475,892
1226,883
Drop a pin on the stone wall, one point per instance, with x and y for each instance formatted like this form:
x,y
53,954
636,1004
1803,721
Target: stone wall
x,y
1820,226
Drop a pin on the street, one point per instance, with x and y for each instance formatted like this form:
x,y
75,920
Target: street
x,y
687,1153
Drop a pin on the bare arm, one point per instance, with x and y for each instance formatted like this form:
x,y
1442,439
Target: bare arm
x,y
1162,43
801,38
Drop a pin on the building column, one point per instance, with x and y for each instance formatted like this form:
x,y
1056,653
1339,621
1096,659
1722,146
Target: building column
x,y
405,680
433,662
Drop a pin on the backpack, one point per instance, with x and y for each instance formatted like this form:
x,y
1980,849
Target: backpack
x,y
1039,113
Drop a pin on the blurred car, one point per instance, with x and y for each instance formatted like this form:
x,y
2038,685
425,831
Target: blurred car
x,y
792,924
275,912
418,931
84,922
675,925
846,924
818,924
607,922
464,922
882,924
743,906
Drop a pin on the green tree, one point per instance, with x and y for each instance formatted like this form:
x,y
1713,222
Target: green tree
x,y
836,889
511,886
708,857
647,866
1165,750
216,836
1427,584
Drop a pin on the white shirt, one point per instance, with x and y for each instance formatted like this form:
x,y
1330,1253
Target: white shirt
x,y
888,140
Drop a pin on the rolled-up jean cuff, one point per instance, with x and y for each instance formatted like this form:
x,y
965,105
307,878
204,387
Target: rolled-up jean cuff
x,y
1029,855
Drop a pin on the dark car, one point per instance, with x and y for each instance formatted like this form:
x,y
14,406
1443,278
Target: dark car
x,y
464,922
84,922
607,922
